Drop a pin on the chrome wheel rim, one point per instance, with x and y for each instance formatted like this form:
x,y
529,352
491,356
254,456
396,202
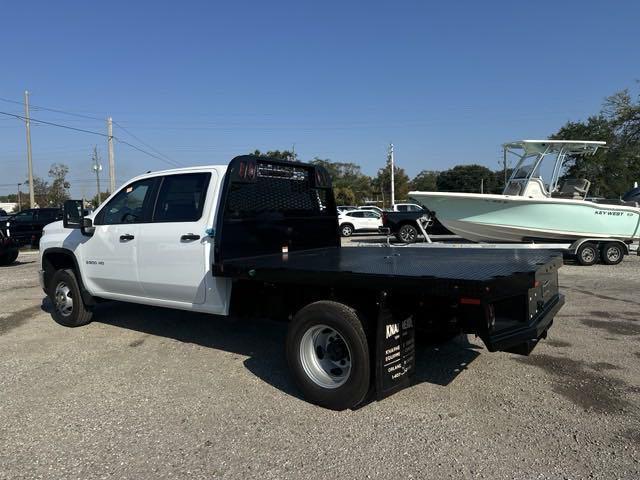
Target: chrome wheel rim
x,y
346,231
325,356
588,255
407,234
613,254
63,299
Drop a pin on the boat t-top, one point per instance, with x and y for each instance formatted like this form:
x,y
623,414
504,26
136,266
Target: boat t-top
x,y
540,203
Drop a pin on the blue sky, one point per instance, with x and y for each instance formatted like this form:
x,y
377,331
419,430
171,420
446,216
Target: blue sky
x,y
201,82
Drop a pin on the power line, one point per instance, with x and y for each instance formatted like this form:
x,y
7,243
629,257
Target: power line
x,y
21,117
144,143
38,107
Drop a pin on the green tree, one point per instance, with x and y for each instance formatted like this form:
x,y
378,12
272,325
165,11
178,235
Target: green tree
x,y
611,170
59,189
280,155
425,181
40,191
103,196
348,179
344,196
382,184
467,178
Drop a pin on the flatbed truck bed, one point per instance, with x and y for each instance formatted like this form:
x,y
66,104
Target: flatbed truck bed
x,y
271,249
447,270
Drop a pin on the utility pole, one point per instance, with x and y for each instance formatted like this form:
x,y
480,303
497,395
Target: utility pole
x,y
19,198
482,185
96,167
32,201
391,164
112,162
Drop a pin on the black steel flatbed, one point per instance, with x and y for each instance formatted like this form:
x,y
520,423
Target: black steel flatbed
x,y
447,272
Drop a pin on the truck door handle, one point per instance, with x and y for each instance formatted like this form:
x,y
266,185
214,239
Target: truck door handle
x,y
126,237
189,237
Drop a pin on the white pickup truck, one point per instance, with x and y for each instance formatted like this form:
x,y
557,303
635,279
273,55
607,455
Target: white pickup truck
x,y
260,237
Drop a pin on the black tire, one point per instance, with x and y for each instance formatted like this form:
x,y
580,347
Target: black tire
x,y
64,283
587,254
346,229
347,323
612,253
407,233
8,258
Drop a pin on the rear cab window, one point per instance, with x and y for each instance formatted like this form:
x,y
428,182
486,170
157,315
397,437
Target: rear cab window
x,y
181,197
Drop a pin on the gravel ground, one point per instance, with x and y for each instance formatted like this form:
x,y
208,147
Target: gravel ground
x,y
150,393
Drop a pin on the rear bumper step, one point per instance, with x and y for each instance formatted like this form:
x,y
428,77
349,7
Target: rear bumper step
x,y
524,339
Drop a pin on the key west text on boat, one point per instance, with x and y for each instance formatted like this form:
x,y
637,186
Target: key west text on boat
x,y
535,208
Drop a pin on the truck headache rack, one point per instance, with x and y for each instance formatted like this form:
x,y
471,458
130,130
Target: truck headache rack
x,y
270,206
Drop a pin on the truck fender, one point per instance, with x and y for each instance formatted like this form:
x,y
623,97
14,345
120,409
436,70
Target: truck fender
x,y
56,258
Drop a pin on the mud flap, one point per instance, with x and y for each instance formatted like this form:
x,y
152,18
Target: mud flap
x,y
395,352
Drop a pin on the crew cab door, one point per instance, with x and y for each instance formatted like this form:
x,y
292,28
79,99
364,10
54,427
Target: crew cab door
x,y
174,251
109,256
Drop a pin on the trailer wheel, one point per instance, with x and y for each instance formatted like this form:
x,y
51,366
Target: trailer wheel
x,y
612,253
328,354
407,233
587,254
68,308
346,229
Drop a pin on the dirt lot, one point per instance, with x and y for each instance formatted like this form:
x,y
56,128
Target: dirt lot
x,y
151,393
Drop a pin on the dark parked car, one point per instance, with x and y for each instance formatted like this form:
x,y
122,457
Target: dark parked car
x,y
8,249
404,225
26,227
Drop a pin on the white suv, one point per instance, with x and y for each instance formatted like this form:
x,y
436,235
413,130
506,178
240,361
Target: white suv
x,y
358,221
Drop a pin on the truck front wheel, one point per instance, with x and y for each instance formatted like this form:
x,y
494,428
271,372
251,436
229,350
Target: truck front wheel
x,y
68,308
328,355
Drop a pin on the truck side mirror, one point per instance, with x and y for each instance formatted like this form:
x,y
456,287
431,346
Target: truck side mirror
x,y
87,226
72,214
73,217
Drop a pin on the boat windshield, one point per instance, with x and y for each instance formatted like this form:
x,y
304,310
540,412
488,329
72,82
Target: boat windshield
x,y
540,165
526,168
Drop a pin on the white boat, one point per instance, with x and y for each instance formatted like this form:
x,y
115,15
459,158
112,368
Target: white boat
x,y
537,204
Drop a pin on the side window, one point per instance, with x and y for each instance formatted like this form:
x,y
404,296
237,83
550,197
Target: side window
x,y
402,208
128,204
47,215
24,216
181,198
356,214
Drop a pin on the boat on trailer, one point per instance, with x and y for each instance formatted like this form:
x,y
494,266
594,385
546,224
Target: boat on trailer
x,y
539,205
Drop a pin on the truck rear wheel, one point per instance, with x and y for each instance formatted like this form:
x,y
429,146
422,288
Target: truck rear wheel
x,y
328,355
612,253
68,308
